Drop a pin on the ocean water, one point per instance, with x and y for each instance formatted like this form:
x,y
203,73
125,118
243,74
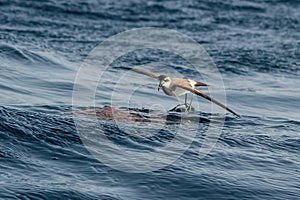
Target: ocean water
x,y
255,46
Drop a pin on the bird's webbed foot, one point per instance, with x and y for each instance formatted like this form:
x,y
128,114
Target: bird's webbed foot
x,y
183,108
188,108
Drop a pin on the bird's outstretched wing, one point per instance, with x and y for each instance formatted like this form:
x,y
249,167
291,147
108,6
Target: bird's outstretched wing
x,y
197,92
142,72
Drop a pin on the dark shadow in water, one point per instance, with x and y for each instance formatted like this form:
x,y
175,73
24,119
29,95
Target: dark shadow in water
x,y
144,117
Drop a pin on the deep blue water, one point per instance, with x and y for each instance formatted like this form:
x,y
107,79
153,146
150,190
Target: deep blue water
x,y
254,44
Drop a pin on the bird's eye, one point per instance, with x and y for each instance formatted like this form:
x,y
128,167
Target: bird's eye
x,y
167,80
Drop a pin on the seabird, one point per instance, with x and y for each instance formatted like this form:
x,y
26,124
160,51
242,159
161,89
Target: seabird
x,y
180,86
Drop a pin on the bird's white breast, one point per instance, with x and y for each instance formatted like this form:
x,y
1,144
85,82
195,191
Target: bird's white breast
x,y
180,91
175,91
169,89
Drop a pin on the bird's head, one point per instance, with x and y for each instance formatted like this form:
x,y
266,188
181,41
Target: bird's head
x,y
164,81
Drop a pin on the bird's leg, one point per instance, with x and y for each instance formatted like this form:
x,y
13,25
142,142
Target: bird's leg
x,y
191,100
188,106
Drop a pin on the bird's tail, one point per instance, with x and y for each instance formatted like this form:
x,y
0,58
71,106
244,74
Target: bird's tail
x,y
200,84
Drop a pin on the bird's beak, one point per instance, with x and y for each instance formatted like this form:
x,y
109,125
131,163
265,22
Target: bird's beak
x,y
159,86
